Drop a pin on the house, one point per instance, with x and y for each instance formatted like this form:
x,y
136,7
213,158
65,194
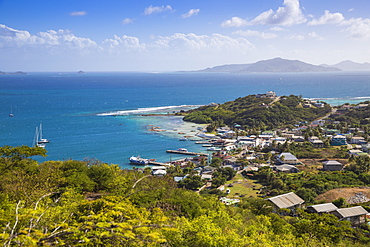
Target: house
x,y
322,208
345,108
206,176
313,138
268,133
159,170
338,140
332,165
318,144
271,94
357,140
365,147
287,158
208,170
286,168
356,215
289,201
361,106
298,139
229,201
331,131
355,152
178,179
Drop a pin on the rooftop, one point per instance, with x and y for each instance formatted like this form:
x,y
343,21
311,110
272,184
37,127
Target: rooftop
x,y
351,212
324,208
286,200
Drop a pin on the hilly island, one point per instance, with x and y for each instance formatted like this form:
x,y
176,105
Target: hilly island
x,y
271,66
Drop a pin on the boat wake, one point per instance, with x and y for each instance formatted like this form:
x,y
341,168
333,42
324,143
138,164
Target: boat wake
x,y
150,110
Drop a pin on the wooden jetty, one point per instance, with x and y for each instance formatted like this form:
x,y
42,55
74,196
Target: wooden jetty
x,y
184,152
203,142
154,163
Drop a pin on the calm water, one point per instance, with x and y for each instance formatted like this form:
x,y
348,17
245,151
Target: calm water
x,y
70,105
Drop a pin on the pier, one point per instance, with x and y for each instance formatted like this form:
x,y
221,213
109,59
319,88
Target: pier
x,y
203,142
154,163
185,152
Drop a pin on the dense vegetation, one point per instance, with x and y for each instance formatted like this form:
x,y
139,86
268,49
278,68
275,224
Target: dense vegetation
x,y
89,203
259,113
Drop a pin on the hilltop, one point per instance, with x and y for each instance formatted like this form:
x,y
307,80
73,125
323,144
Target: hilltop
x,y
262,110
271,66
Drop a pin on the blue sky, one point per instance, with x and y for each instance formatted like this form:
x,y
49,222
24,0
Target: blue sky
x,y
121,35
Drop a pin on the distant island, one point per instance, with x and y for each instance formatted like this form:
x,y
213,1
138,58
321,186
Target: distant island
x,y
349,65
270,66
280,65
13,73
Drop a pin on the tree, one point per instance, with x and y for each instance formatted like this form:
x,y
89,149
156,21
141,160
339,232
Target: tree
x,y
340,202
18,157
192,182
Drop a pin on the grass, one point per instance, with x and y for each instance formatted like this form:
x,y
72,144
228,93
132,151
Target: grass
x,y
242,187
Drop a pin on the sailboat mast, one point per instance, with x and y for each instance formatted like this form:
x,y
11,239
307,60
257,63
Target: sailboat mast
x,y
40,131
36,138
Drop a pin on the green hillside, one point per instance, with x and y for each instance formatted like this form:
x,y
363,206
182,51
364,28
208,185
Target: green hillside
x,y
253,111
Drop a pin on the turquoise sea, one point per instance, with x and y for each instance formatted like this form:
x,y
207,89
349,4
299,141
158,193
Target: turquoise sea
x,y
77,110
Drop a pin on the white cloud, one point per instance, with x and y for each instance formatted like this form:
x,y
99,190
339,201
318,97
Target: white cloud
x,y
315,36
262,35
277,29
297,37
124,43
190,13
350,10
78,13
193,42
234,22
127,21
289,15
156,9
358,28
327,18
61,39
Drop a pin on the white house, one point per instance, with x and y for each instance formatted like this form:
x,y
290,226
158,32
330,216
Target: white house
x,y
287,158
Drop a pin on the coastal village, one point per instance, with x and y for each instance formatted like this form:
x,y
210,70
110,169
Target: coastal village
x,y
243,156
266,170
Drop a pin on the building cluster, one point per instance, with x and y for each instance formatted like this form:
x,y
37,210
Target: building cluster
x,y
290,202
226,142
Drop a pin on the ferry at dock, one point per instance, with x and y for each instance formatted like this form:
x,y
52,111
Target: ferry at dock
x,y
138,161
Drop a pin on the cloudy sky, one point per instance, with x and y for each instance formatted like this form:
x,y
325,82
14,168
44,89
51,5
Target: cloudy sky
x,y
123,35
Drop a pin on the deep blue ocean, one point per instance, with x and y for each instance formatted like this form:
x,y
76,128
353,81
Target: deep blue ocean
x,y
76,109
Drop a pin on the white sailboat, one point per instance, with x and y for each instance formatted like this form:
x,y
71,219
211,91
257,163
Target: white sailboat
x,y
36,140
42,140
11,112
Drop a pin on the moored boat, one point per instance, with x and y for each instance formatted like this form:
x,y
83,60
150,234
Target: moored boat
x,y
213,149
138,161
42,140
36,142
